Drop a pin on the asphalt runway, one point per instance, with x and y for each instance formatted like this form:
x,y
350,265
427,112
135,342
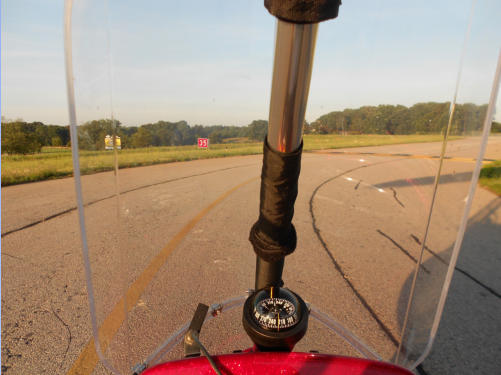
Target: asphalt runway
x,y
178,235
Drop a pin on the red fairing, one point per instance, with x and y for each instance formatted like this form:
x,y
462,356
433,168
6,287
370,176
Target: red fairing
x,y
278,363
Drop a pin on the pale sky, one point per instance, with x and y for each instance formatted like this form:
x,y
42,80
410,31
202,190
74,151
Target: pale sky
x,y
210,62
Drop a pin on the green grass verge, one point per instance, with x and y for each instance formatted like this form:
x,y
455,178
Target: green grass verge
x,y
55,162
330,141
490,177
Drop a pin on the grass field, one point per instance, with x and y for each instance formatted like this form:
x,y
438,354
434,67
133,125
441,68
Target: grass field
x,y
56,162
490,177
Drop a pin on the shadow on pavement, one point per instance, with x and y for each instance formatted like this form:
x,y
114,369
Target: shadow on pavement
x,y
429,180
469,333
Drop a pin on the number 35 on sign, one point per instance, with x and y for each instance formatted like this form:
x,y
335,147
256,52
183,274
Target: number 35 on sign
x,y
203,143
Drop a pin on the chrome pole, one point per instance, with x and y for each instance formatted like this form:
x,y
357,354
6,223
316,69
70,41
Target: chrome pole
x,y
294,50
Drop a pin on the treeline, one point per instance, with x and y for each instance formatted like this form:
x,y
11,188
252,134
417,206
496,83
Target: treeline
x,y
422,118
163,133
19,137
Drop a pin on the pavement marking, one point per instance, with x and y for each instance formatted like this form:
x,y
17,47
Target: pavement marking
x,y
89,358
408,156
360,182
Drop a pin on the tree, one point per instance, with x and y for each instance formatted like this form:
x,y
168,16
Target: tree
x,y
306,127
215,137
61,132
496,127
142,138
56,141
257,130
91,134
18,139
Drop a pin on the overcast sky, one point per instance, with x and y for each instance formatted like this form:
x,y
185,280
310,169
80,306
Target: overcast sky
x,y
210,62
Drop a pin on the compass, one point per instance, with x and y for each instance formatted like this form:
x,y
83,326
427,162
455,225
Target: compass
x,y
275,318
275,311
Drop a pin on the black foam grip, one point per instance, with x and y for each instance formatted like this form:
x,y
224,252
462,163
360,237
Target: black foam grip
x,y
273,236
303,11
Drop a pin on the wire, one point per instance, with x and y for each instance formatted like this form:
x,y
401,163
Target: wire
x,y
206,353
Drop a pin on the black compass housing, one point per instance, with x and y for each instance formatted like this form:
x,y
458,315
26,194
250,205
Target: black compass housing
x,y
267,333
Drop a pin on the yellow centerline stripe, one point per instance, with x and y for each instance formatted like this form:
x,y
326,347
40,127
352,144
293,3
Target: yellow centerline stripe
x,y
408,156
88,358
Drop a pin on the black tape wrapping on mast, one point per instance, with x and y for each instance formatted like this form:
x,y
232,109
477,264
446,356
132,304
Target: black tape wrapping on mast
x,y
303,11
273,236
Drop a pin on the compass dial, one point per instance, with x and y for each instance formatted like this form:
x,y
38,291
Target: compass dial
x,y
275,318
276,309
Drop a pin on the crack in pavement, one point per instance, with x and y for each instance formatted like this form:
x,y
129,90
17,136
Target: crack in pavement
x,y
6,351
396,198
70,337
460,270
13,256
401,248
338,267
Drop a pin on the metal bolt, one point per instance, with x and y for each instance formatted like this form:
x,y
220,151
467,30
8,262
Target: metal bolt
x,y
216,309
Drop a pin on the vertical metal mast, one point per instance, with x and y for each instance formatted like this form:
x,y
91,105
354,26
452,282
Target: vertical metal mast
x,y
273,236
294,50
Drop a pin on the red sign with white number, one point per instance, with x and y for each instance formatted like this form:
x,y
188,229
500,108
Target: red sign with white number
x,y
203,142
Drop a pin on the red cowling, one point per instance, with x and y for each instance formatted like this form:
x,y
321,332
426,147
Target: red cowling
x,y
278,363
